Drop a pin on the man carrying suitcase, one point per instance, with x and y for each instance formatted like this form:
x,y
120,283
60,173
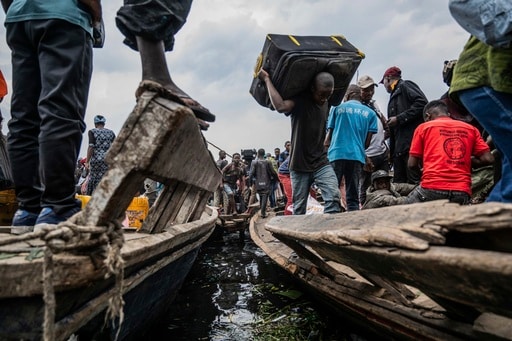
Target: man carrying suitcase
x,y
308,158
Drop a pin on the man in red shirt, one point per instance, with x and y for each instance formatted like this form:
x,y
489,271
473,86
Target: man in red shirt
x,y
447,149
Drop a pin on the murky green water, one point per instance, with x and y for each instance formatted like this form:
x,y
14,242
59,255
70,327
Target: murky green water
x,y
235,292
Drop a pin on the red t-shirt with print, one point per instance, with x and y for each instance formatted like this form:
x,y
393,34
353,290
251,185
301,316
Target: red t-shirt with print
x,y
446,145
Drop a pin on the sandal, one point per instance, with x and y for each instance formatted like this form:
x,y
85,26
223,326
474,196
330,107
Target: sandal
x,y
199,111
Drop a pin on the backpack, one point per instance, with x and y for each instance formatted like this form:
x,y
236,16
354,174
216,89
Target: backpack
x,y
262,175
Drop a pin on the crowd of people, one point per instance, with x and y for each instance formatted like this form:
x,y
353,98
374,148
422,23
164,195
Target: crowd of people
x,y
361,158
249,179
419,150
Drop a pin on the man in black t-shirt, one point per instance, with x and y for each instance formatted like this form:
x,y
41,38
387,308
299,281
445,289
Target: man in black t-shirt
x,y
308,157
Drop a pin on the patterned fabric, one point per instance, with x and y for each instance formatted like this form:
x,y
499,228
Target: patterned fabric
x,y
100,139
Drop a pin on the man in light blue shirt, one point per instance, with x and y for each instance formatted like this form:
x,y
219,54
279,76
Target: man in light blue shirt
x,y
349,131
51,44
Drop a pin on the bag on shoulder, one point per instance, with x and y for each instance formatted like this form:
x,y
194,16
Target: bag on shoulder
x,y
490,21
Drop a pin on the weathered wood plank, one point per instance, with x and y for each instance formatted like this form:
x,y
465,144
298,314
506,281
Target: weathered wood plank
x,y
407,226
475,278
368,243
155,143
72,271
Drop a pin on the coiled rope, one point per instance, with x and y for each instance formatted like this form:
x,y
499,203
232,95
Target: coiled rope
x,y
70,236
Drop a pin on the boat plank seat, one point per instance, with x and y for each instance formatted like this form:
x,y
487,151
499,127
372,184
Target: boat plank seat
x,y
152,145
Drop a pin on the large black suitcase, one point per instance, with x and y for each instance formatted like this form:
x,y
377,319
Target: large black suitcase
x,y
293,61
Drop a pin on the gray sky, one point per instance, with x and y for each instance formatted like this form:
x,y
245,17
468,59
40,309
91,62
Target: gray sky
x,y
215,54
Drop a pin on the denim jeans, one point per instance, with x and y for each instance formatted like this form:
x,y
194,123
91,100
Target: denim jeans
x,y
420,194
351,170
272,194
325,179
493,110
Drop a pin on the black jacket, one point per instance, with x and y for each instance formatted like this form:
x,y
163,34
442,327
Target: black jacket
x,y
406,102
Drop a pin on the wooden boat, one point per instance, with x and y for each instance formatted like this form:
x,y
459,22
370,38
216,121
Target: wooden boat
x,y
68,291
230,223
238,222
425,271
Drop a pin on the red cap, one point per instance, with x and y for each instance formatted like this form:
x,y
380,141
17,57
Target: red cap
x,y
393,71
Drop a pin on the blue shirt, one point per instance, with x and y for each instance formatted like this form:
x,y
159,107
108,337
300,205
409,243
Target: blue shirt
x,y
283,168
68,10
350,122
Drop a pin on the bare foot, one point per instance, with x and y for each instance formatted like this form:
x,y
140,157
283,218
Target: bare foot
x,y
171,91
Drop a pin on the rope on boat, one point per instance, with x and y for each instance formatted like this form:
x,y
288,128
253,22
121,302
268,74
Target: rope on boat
x,y
69,236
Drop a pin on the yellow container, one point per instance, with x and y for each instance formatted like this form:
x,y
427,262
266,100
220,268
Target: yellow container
x,y
8,206
136,212
84,199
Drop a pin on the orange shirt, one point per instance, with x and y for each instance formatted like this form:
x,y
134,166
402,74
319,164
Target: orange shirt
x,y
446,145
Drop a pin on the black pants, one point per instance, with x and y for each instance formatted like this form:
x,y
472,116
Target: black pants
x,y
153,20
51,67
402,173
263,201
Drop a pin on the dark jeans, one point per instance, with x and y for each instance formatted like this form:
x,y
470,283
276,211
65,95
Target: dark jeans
x,y
272,194
402,173
493,110
351,170
420,194
263,202
52,66
152,19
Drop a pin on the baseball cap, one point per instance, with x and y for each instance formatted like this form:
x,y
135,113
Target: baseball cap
x,y
379,175
365,82
352,88
393,71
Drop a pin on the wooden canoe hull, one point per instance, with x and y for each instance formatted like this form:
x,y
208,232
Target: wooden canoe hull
x,y
402,243
441,272
141,309
156,266
347,278
160,140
